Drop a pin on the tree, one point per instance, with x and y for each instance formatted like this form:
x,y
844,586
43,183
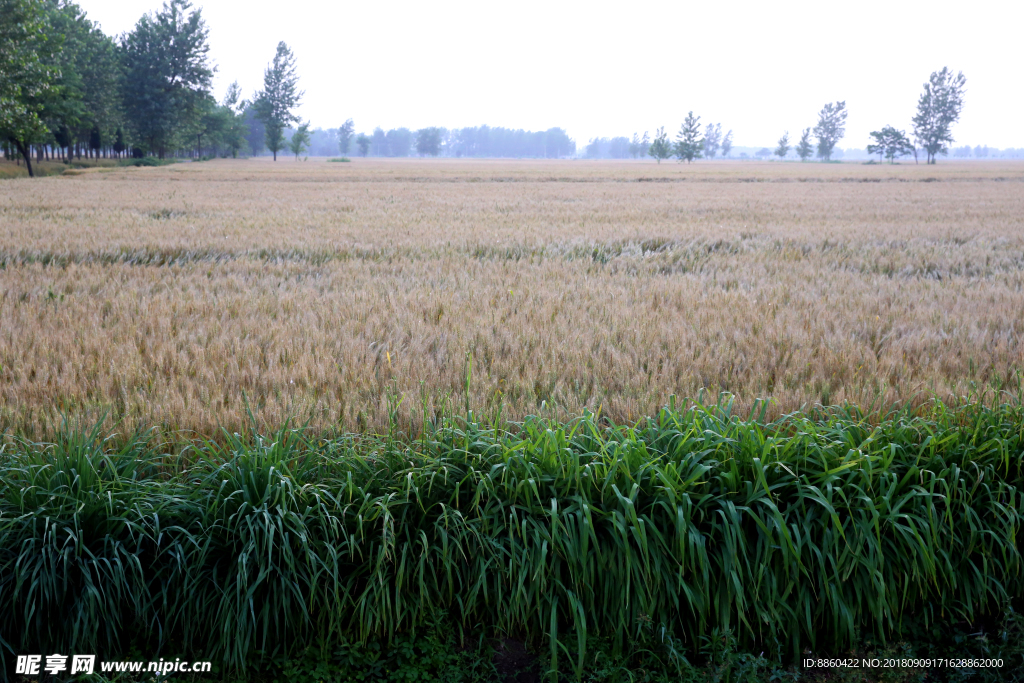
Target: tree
x,y
363,143
254,131
689,145
712,139
428,141
119,145
233,106
398,142
890,143
634,146
345,136
380,142
727,144
804,148
618,147
937,110
783,149
94,76
661,148
167,74
280,95
300,140
27,77
830,128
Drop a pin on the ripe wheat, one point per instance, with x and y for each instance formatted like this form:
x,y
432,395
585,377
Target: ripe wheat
x,y
172,295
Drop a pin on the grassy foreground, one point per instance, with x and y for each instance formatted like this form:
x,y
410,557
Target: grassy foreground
x,y
641,549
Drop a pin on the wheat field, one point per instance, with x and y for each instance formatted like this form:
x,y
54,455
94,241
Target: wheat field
x,y
330,292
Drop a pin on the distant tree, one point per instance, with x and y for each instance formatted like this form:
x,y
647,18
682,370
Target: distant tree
x,y
980,152
380,144
645,144
212,125
363,143
428,141
727,144
233,96
689,145
300,140
253,130
119,145
95,138
345,136
167,74
890,143
634,146
275,138
618,147
937,110
557,144
783,149
763,153
830,128
804,148
399,142
280,95
661,148
234,129
712,139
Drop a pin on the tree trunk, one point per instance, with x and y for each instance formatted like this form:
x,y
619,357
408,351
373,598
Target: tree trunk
x,y
27,156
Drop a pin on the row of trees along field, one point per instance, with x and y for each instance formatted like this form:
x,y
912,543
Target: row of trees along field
x,y
476,141
68,90
938,109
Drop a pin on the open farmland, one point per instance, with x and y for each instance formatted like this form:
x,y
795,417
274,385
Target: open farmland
x,y
164,295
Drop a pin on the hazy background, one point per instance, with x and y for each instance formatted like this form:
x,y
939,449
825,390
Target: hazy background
x,y
608,69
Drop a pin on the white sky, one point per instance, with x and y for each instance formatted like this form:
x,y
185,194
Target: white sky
x,y
604,69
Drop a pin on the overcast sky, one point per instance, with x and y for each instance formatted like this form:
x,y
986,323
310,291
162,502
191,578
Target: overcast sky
x,y
605,69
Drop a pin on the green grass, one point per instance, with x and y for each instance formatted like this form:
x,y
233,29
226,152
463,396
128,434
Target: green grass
x,y
146,161
341,159
812,532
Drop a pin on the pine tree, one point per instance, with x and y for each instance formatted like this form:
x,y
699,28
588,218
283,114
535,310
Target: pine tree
x,y
280,95
727,144
712,139
689,145
661,148
804,148
783,149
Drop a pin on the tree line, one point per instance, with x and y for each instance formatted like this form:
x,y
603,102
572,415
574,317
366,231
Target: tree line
x,y
68,90
475,141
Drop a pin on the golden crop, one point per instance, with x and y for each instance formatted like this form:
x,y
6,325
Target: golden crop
x,y
163,295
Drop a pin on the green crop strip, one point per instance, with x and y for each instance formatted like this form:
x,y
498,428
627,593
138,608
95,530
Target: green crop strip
x,y
805,532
